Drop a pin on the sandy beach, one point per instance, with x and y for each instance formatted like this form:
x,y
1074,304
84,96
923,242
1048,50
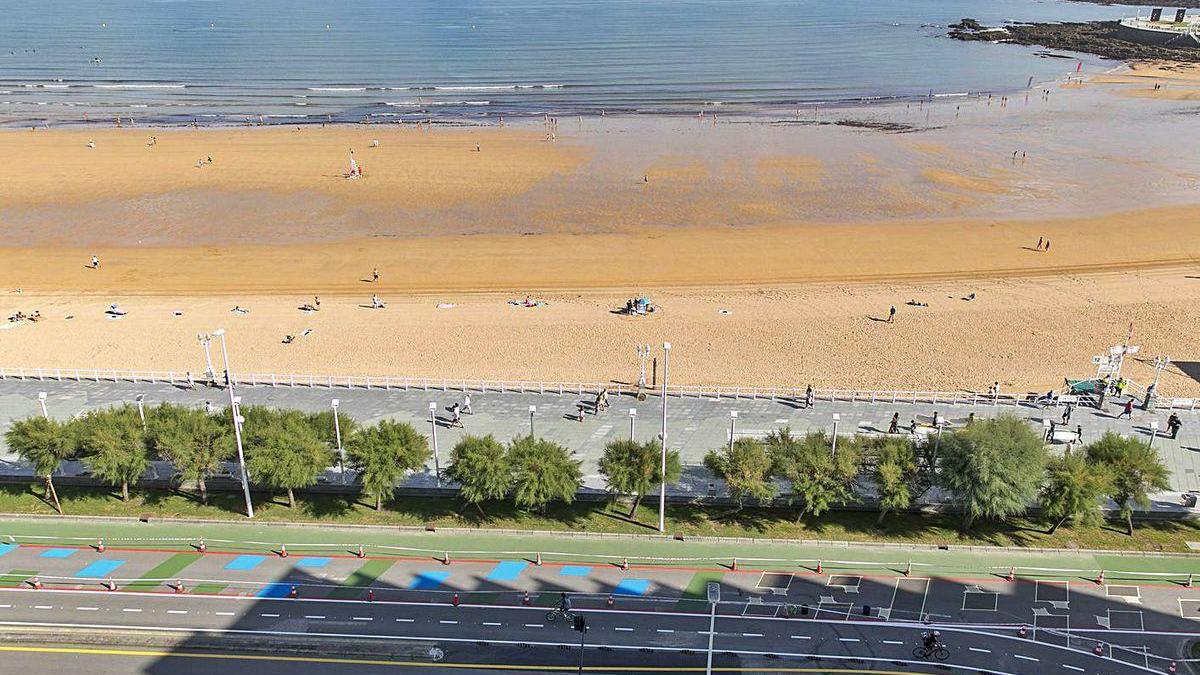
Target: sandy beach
x,y
771,244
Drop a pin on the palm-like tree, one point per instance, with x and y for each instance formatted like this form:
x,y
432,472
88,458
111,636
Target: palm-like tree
x,y
635,468
383,454
480,465
44,443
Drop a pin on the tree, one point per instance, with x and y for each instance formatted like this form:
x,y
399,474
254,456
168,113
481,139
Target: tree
x,y
745,469
635,468
480,465
114,446
1072,490
322,424
287,454
820,477
44,443
895,473
195,442
1134,470
992,468
383,454
543,471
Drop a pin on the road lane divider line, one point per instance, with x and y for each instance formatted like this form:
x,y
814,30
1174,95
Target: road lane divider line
x,y
752,634
43,607
665,630
131,609
1027,658
447,621
801,637
362,618
623,629
87,609
176,611
491,623
892,642
224,613
270,616
981,651
402,620
535,625
849,640
315,616
1071,667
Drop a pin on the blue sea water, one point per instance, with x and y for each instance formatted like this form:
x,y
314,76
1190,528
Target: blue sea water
x,y
216,61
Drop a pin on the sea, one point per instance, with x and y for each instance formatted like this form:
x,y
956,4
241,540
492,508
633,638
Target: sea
x,y
214,62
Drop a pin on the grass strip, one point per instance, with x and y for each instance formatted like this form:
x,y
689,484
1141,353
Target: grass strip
x,y
15,578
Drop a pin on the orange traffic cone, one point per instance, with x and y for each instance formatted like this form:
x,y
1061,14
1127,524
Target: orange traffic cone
x,y
1100,578
294,592
202,547
525,600
625,563
283,551
361,552
610,601
1022,632
733,566
36,583
538,560
179,586
1098,650
908,569
446,559
370,595
99,546
819,567
454,600
1012,573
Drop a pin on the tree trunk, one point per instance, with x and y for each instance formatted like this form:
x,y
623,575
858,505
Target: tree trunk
x,y
637,501
1129,522
379,502
882,514
53,494
203,491
124,490
1056,525
968,521
291,499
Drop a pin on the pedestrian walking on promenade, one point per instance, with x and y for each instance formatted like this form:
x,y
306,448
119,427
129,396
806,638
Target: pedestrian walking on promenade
x,y
1128,410
1047,246
208,409
808,397
1149,397
1079,433
892,314
1066,416
1174,424
894,426
467,405
456,417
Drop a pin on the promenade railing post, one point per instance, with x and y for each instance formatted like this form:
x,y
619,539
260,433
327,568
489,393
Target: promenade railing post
x,y
833,442
140,398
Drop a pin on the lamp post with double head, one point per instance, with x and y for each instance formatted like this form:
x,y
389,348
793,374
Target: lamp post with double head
x,y
235,411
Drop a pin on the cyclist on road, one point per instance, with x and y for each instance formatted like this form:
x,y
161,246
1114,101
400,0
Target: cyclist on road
x,y
564,603
931,639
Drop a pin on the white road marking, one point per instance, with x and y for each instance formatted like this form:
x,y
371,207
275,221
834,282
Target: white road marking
x,y
534,625
1027,658
893,642
176,611
6,606
1077,668
224,613
849,640
752,634
490,623
665,630
362,618
981,651
42,607
406,620
271,616
451,622
801,637
127,609
315,616
87,609
627,630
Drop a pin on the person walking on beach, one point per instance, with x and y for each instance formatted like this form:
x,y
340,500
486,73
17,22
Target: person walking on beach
x,y
95,263
1047,249
1128,410
1040,239
894,426
467,405
375,275
892,314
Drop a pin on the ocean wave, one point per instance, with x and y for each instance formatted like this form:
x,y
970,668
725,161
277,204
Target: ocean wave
x,y
487,87
337,88
46,86
414,104
139,85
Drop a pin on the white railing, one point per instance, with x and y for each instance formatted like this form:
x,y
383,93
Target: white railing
x,y
390,383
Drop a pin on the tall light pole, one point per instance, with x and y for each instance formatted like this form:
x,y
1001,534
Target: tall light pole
x,y
205,340
714,596
141,410
437,460
42,401
532,411
1160,363
237,423
732,427
337,434
1153,432
833,443
662,487
632,421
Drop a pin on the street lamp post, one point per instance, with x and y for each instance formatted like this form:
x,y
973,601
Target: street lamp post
x,y
437,461
1153,432
42,401
141,409
632,421
833,443
205,340
732,427
237,423
662,487
532,411
714,597
337,434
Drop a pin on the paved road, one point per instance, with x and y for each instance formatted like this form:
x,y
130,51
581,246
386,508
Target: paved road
x,y
695,426
872,619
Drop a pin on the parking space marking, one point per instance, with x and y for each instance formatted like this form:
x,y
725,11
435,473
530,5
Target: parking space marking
x,y
1130,594
1122,619
848,584
1056,593
827,600
1189,608
976,599
914,587
778,582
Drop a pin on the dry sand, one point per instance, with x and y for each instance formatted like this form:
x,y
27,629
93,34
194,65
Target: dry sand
x,y
803,232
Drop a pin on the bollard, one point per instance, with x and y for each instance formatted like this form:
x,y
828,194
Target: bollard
x,y
294,592
283,551
202,547
733,567
525,600
1098,650
819,567
538,560
1100,578
109,584
610,601
446,559
361,552
99,546
908,569
1012,573
370,595
1189,582
454,600
36,582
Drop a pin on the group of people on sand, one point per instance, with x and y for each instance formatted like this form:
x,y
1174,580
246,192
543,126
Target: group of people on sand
x,y
1043,244
22,316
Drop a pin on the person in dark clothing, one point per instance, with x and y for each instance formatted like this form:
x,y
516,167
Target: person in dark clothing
x,y
894,427
1174,424
1128,411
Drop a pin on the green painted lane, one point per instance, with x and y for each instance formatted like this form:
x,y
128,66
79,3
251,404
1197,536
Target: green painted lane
x,y
166,570
355,585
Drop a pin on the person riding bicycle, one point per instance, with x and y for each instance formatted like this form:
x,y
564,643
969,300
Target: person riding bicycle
x,y
564,603
931,639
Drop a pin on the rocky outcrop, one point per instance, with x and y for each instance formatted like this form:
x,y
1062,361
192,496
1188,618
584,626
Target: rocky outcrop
x,y
1093,37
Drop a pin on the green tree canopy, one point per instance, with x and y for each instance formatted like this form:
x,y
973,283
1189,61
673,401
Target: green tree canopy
x,y
820,476
113,443
745,469
992,468
194,441
480,465
322,424
286,453
383,454
543,471
895,474
44,443
635,468
1073,489
1134,470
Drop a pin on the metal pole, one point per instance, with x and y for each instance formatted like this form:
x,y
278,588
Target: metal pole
x,y
532,410
732,427
205,341
237,424
714,596
437,462
42,401
582,633
833,443
141,410
1153,433
632,421
337,433
662,487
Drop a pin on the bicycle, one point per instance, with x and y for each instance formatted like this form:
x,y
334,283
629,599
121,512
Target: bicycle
x,y
938,652
556,613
